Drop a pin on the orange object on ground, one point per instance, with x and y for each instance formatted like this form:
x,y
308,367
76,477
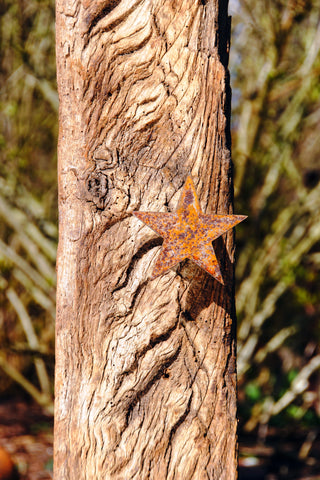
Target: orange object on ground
x,y
7,468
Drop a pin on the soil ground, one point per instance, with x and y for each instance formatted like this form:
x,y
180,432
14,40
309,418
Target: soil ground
x,y
27,435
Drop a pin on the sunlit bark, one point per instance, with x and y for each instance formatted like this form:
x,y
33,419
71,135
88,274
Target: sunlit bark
x,y
145,373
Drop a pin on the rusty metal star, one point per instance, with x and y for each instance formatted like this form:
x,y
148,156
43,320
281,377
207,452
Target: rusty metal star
x,y
188,233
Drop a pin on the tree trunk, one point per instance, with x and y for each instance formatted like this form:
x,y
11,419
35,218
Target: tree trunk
x,y
145,369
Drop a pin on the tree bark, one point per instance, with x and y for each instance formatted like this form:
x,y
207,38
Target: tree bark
x,y
145,369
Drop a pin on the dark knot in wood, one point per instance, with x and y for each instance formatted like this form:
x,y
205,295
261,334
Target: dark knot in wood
x,y
97,187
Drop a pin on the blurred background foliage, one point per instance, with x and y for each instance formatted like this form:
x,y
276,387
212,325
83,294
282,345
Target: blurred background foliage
x,y
28,197
275,68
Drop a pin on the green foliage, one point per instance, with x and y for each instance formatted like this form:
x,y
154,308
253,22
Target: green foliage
x,y
275,66
253,391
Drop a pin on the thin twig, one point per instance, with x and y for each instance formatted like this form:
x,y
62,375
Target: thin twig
x,y
31,337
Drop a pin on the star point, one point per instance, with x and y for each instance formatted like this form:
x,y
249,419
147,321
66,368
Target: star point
x,y
188,233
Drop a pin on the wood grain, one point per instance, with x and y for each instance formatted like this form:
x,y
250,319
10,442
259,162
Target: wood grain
x,y
145,369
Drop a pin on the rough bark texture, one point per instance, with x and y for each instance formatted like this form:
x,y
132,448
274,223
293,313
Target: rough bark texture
x,y
145,369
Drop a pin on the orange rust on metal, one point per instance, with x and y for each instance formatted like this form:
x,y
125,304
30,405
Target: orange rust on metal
x,y
188,233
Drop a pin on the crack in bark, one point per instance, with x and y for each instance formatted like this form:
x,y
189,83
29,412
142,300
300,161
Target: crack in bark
x,y
159,373
142,250
93,18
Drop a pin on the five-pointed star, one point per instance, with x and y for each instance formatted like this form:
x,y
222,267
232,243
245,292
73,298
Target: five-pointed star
x,y
188,233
